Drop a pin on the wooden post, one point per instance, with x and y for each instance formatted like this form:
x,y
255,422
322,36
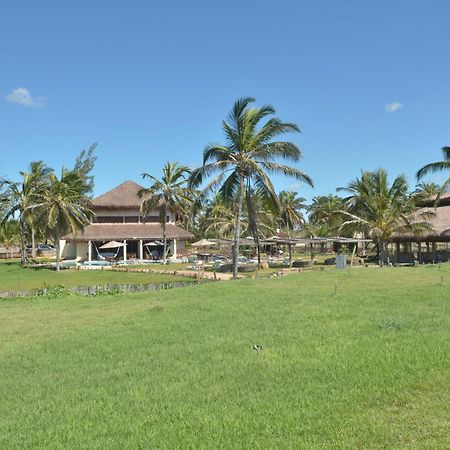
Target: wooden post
x,y
124,250
419,252
89,251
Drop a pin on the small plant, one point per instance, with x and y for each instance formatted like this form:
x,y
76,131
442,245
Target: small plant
x,y
53,291
389,324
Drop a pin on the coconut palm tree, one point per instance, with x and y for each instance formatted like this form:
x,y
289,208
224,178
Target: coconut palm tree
x,y
380,209
325,209
9,234
66,206
425,191
438,166
247,159
290,215
169,193
20,197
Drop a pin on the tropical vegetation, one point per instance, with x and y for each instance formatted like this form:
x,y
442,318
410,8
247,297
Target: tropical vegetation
x,y
242,166
168,194
230,196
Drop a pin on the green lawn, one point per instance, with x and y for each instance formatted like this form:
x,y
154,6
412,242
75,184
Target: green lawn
x,y
14,278
367,367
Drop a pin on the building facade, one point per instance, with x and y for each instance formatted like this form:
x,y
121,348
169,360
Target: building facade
x,y
118,219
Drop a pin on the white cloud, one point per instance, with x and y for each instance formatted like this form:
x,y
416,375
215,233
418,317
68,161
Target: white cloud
x,y
22,96
393,107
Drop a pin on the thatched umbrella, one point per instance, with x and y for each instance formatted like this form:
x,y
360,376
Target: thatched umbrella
x,y
113,244
203,243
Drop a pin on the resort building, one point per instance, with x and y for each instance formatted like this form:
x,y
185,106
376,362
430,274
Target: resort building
x,y
120,231
431,246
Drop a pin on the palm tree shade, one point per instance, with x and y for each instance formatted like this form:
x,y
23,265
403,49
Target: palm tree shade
x,y
167,194
247,159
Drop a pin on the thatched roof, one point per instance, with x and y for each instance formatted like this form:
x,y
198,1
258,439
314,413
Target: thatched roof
x,y
439,222
128,231
124,196
444,200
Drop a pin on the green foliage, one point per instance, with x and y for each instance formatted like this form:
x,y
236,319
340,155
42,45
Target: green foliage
x,y
380,209
290,214
243,165
168,194
438,166
15,278
84,164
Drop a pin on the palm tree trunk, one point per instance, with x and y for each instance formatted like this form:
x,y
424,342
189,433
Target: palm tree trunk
x,y
33,243
23,255
165,242
237,230
384,260
58,257
258,250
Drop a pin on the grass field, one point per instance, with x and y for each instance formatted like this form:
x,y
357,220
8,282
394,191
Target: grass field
x,y
352,359
14,278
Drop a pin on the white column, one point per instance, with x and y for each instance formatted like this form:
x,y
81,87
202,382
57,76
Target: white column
x,y
89,251
125,250
174,248
141,250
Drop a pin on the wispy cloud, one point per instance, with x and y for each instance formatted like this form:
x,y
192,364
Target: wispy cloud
x,y
393,107
22,96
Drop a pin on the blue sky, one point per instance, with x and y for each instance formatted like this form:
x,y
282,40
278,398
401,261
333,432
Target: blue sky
x,y
152,81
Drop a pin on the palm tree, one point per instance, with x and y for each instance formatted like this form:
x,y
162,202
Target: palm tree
x,y
290,210
381,209
247,159
20,197
9,233
168,194
438,166
220,217
66,206
425,191
325,209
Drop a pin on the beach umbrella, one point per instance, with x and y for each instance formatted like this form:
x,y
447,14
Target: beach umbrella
x,y
153,244
203,243
112,244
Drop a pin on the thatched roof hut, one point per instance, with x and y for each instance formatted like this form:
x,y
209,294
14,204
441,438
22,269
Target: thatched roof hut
x,y
439,222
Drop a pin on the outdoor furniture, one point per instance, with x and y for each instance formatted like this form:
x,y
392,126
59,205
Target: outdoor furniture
x,y
303,263
245,268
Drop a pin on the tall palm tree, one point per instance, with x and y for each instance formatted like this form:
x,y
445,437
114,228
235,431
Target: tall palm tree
x,y
66,206
381,209
247,159
20,197
290,215
169,193
438,166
